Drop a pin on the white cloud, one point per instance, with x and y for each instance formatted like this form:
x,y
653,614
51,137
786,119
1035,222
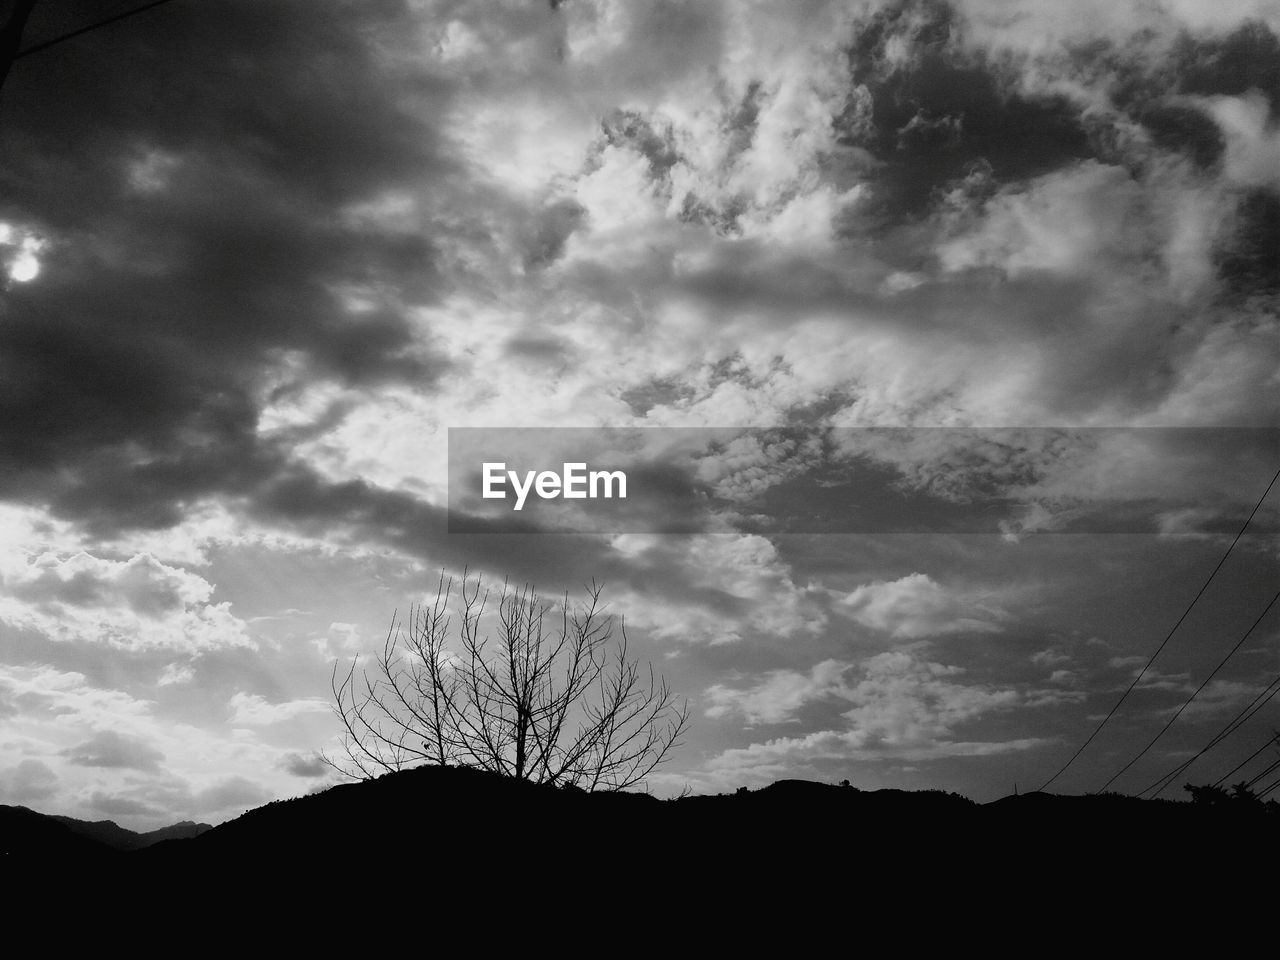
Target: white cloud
x,y
902,707
777,697
1049,657
84,750
731,586
1119,662
176,673
1220,695
252,710
68,700
1065,222
618,197
136,604
904,703
1042,26
341,639
748,465
1228,377
917,606
1154,679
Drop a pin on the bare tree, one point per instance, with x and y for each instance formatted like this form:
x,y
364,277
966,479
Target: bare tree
x,y
551,697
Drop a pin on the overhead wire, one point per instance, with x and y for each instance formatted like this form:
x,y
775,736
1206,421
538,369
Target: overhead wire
x,y
1262,774
36,48
1186,703
1243,763
1235,723
1163,643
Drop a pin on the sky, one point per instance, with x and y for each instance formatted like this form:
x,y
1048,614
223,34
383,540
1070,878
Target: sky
x,y
258,258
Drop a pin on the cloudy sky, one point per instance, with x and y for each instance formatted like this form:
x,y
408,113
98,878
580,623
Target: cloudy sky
x,y
258,256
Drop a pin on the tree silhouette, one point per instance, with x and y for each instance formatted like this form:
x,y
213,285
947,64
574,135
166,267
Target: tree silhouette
x,y
550,697
1208,794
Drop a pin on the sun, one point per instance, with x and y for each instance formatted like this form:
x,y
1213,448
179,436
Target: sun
x,y
24,265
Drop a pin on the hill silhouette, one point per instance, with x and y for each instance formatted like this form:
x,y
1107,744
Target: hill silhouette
x,y
456,831
30,837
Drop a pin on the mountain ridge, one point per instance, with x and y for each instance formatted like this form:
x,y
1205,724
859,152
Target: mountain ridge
x,y
468,816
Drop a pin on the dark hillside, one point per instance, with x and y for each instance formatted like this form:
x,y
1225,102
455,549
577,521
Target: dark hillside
x,y
28,837
444,835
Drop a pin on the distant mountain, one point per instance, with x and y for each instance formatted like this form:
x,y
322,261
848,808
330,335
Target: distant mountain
x,y
111,834
26,832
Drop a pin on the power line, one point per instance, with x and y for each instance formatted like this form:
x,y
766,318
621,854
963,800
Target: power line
x,y
1262,794
1274,739
1163,643
11,34
1263,773
1186,703
1235,723
1243,763
83,30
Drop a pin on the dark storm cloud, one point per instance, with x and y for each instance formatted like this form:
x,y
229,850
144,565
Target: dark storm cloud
x,y
945,117
552,228
115,750
944,112
301,765
947,140
1231,64
626,128
358,512
1249,257
1180,128
198,206
657,391
1160,95
302,499
542,349
116,806
551,561
193,176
